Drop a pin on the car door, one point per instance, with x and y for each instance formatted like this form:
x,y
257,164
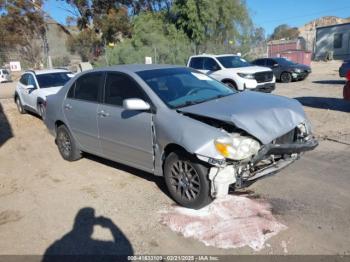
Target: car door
x,y
275,67
32,93
25,92
80,110
125,136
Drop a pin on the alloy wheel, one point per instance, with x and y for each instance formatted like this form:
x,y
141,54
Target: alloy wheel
x,y
64,143
185,180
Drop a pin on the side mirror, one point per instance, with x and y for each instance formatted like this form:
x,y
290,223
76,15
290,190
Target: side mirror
x,y
29,87
135,104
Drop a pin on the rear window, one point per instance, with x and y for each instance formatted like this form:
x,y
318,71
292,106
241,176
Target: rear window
x,y
5,72
53,79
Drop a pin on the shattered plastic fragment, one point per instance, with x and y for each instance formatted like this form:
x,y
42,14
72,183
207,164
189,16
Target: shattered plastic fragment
x,y
229,222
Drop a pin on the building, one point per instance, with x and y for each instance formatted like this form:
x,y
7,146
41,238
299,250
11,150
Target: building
x,y
332,42
295,50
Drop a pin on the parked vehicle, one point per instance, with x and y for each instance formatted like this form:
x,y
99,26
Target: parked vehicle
x,y
234,71
346,89
176,122
344,68
284,69
34,86
5,75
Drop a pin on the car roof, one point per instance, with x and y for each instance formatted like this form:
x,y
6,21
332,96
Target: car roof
x,y
137,67
48,71
211,55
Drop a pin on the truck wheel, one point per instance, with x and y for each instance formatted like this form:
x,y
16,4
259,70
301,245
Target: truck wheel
x,y
66,144
231,84
187,180
286,77
20,108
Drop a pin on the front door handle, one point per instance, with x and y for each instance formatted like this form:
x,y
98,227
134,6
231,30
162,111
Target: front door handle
x,y
102,114
67,107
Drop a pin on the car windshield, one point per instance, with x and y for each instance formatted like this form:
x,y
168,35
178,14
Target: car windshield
x,y
53,79
233,61
180,87
284,61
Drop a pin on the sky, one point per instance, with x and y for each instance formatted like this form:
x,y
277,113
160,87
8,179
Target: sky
x,y
265,13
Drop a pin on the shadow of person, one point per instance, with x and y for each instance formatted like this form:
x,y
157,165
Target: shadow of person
x,y
78,241
5,127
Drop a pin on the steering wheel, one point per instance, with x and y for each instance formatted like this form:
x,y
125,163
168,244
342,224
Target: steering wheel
x,y
193,91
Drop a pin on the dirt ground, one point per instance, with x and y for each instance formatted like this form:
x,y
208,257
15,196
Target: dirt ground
x,y
41,195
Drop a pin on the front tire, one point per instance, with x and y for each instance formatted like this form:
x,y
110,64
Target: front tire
x,y
66,144
286,77
231,85
187,180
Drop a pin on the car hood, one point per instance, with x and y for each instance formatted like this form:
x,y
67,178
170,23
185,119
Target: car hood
x,y
264,116
49,91
248,69
302,67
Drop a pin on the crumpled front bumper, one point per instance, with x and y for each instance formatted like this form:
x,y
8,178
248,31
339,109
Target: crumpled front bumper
x,y
282,149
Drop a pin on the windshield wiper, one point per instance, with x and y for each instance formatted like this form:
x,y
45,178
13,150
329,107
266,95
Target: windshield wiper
x,y
191,103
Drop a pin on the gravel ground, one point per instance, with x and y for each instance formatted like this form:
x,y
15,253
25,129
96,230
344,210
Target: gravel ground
x,y
44,198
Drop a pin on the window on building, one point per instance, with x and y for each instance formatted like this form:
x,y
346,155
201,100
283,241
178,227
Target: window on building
x,y
338,41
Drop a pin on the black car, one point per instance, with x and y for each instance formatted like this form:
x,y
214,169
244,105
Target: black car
x,y
344,69
284,69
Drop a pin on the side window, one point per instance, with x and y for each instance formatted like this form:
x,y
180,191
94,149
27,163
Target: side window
x,y
196,63
24,79
88,86
260,62
338,41
210,64
71,91
270,62
120,87
31,80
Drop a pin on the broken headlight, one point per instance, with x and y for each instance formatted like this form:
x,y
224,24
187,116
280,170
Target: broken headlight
x,y
237,147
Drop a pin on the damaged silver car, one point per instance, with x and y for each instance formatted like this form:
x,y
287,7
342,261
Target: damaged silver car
x,y
202,136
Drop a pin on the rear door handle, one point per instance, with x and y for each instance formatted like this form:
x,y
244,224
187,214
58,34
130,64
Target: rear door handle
x,y
102,114
67,107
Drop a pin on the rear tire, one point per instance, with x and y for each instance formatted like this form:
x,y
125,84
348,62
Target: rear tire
x,y
20,108
286,77
187,180
42,111
66,144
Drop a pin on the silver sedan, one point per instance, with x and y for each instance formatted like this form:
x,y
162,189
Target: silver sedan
x,y
171,121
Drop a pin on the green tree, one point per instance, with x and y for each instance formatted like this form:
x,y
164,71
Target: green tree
x,y
151,37
284,32
213,24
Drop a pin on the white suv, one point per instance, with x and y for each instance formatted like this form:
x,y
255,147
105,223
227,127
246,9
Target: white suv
x,y
234,71
34,86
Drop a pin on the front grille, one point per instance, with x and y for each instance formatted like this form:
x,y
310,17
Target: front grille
x,y
262,77
287,138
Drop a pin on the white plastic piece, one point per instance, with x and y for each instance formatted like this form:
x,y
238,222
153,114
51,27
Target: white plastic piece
x,y
221,179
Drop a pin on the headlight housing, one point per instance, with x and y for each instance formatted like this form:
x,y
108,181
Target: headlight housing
x,y
297,70
237,147
247,76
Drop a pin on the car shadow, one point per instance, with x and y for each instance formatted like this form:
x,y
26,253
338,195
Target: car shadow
x,y
78,245
158,180
5,127
331,103
330,82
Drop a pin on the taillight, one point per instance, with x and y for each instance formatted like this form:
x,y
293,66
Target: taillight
x,y
348,75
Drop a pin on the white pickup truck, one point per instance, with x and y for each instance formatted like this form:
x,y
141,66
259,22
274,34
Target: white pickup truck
x,y
234,71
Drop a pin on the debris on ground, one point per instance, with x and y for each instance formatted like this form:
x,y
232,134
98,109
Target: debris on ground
x,y
229,222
